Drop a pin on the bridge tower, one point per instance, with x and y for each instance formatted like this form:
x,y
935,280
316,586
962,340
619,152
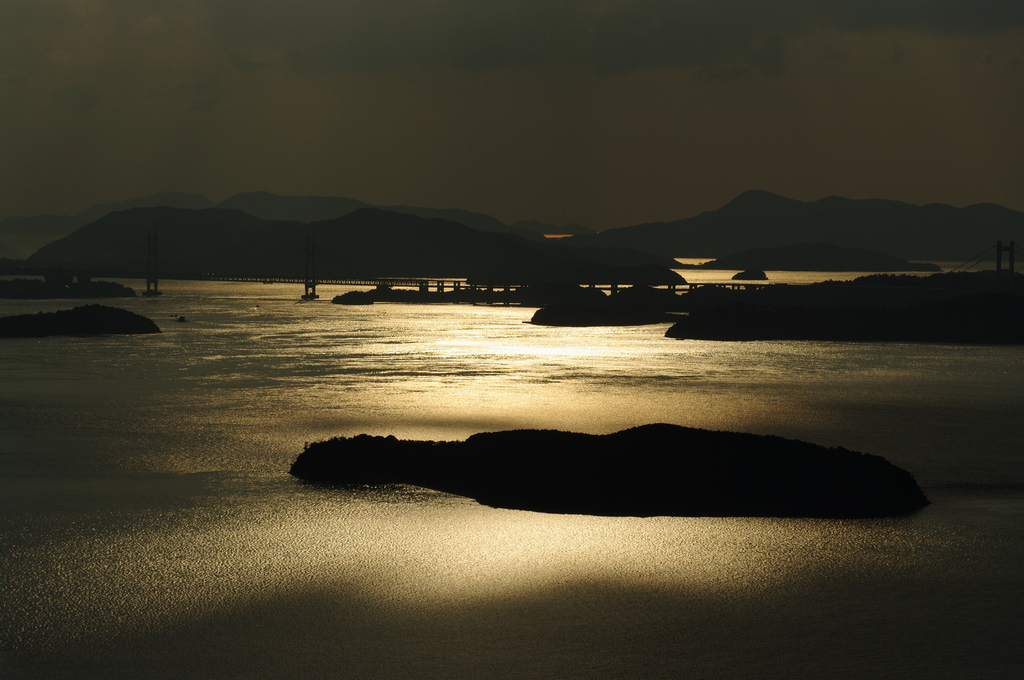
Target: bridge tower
x,y
309,276
1000,248
152,282
1009,249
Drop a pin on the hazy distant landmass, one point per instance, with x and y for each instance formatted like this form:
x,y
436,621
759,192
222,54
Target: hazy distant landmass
x,y
644,471
270,206
820,257
22,236
367,243
759,219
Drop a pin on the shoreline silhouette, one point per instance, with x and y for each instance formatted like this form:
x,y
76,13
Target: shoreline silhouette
x,y
644,471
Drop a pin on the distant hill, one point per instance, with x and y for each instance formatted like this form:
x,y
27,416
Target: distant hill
x,y
366,243
759,219
268,206
754,219
819,257
22,236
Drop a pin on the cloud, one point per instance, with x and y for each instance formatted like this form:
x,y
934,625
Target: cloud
x,y
77,98
714,37
205,94
717,37
247,64
942,16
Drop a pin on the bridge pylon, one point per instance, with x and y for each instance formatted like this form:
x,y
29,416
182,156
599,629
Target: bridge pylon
x,y
1009,250
1000,249
309,275
152,280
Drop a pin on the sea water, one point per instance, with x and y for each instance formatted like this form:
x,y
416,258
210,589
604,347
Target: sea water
x,y
149,528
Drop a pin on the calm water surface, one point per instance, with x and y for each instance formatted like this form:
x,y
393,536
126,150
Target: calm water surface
x,y
148,528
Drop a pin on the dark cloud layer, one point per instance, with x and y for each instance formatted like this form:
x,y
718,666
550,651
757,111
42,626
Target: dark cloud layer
x,y
719,37
605,112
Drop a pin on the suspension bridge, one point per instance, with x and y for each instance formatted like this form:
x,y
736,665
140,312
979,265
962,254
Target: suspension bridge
x,y
1005,255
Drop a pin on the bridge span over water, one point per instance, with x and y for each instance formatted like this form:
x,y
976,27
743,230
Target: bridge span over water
x,y
422,284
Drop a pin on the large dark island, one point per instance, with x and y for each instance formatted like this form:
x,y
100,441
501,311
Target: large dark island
x,y
644,471
978,318
84,320
38,289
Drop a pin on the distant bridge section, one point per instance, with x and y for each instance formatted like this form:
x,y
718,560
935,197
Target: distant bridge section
x,y
425,284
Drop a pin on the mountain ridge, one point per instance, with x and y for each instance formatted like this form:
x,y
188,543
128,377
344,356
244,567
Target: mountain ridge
x,y
761,219
753,219
21,236
366,244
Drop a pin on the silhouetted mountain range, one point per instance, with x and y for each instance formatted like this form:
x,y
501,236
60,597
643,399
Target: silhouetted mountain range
x,y
317,208
754,219
366,243
759,219
21,236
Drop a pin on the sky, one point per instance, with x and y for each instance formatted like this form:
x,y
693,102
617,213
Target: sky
x,y
600,112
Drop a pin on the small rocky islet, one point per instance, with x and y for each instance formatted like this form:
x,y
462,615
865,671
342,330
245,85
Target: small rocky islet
x,y
651,470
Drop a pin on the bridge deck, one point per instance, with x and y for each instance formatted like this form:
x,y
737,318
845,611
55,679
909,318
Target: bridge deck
x,y
439,284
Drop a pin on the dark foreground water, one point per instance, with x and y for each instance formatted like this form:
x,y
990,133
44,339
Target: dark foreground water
x,y
148,528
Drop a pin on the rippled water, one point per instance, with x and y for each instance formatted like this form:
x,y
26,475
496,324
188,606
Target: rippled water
x,y
148,528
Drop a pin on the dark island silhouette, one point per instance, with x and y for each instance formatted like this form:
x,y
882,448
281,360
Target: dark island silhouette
x,y
890,291
599,315
636,305
59,288
84,320
645,471
750,275
978,318
820,257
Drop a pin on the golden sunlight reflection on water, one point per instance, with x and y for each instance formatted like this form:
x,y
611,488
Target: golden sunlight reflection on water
x,y
146,511
405,548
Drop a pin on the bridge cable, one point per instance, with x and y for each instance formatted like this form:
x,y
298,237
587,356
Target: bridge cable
x,y
975,260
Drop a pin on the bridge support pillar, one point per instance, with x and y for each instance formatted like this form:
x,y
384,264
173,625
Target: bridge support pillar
x,y
1009,249
309,283
152,281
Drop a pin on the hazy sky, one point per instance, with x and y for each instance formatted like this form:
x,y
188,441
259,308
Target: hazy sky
x,y
604,112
